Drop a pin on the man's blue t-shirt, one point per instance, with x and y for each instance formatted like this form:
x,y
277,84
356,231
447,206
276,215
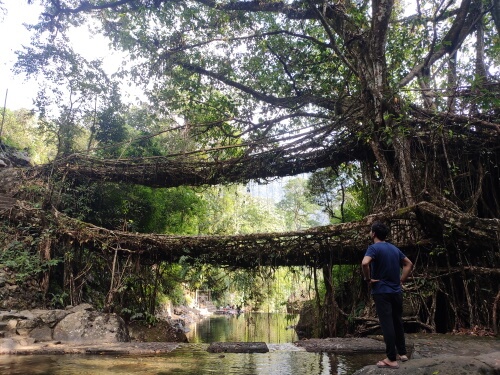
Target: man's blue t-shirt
x,y
386,267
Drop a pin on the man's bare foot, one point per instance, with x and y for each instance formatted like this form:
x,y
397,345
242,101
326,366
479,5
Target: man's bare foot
x,y
385,363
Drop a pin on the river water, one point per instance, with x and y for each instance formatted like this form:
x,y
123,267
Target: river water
x,y
193,359
248,327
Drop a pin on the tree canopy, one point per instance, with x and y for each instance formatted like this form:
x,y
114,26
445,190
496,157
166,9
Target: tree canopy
x,y
302,85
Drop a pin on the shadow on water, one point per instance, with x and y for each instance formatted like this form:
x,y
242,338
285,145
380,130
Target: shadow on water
x,y
283,357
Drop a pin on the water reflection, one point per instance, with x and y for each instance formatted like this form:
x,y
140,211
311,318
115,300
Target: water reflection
x,y
248,327
189,359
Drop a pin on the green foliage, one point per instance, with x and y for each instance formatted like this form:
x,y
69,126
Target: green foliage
x,y
58,300
232,210
110,126
21,130
76,99
135,208
341,193
21,258
405,47
190,77
262,289
300,213
143,290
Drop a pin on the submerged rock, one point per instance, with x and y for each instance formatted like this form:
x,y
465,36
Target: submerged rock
x,y
238,347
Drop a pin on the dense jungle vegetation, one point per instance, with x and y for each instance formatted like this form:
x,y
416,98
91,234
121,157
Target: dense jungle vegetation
x,y
77,275
384,109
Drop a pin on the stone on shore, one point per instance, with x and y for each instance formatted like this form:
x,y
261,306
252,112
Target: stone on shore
x,y
342,345
238,347
91,326
80,324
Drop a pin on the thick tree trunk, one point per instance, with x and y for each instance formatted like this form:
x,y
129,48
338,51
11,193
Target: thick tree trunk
x,y
380,110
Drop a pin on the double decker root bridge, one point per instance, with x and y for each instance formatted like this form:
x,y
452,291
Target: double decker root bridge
x,y
417,229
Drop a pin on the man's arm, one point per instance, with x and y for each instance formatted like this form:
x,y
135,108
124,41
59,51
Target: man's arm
x,y
365,267
407,266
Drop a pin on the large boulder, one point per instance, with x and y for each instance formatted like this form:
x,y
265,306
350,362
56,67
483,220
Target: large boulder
x,y
161,331
91,327
38,324
11,157
80,324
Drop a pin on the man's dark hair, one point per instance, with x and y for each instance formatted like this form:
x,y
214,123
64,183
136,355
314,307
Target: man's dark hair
x,y
380,230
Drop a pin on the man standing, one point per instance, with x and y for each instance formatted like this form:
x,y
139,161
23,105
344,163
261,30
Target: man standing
x,y
381,268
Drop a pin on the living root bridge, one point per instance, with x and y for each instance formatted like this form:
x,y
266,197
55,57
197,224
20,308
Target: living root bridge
x,y
335,244
179,170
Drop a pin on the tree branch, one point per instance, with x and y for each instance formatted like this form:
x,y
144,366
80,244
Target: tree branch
x,y
293,102
462,26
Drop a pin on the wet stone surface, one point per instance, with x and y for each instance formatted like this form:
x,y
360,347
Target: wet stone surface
x,y
446,354
343,345
9,346
238,347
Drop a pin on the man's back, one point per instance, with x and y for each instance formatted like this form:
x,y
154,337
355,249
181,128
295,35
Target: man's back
x,y
385,267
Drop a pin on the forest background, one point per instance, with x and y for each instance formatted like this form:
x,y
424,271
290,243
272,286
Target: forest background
x,y
383,108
